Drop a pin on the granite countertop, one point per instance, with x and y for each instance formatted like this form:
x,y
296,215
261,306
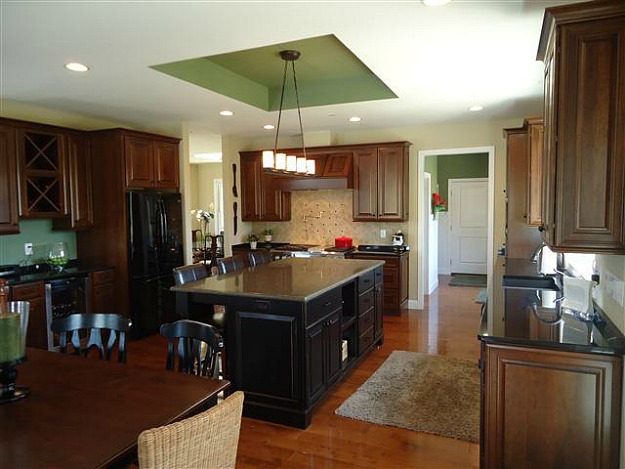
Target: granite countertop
x,y
295,279
28,275
533,317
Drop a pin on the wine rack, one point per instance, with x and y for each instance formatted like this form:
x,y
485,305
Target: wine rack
x,y
42,157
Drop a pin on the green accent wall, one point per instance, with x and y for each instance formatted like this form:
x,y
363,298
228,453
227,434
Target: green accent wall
x,y
431,166
38,232
446,167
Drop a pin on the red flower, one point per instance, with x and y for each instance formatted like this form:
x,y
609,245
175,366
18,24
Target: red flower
x,y
438,203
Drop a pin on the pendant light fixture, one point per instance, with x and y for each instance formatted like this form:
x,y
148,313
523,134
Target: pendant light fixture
x,y
281,163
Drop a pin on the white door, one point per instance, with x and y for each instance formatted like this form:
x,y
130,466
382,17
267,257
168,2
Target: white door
x,y
468,225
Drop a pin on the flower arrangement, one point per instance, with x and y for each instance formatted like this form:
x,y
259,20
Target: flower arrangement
x,y
252,238
438,203
203,217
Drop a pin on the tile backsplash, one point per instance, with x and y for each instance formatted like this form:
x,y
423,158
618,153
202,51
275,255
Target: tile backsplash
x,y
317,217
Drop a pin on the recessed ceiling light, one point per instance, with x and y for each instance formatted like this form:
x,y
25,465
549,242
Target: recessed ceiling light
x,y
226,113
76,67
476,108
355,119
269,127
435,3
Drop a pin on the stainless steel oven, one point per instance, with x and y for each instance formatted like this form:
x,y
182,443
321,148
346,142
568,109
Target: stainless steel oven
x,y
65,296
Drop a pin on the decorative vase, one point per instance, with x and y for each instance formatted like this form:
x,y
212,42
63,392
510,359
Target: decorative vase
x,y
268,238
13,326
253,244
58,256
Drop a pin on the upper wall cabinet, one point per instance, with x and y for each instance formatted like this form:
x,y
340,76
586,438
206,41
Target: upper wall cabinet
x,y
381,182
151,162
584,151
262,198
42,157
8,182
523,158
78,181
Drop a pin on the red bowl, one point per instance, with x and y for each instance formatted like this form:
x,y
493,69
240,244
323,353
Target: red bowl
x,y
343,242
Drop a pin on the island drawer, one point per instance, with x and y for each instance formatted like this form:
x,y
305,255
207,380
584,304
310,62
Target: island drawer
x,y
365,321
324,304
366,281
365,301
365,340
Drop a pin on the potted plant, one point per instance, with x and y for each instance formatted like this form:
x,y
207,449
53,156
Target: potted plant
x,y
267,233
252,239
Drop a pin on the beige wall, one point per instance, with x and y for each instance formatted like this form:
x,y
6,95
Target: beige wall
x,y
432,137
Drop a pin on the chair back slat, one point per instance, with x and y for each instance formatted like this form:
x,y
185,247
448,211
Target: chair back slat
x,y
186,337
91,325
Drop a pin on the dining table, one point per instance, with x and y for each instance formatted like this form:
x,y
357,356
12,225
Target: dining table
x,y
87,413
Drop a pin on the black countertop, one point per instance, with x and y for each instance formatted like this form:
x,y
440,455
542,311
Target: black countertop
x,y
42,273
533,317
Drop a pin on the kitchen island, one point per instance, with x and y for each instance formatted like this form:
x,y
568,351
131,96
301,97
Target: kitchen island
x,y
551,379
294,328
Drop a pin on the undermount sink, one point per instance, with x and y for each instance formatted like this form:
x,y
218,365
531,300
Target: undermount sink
x,y
542,282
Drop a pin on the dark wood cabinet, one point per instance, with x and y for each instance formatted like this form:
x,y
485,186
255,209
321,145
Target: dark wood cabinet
x,y
535,144
584,192
395,272
8,182
106,243
262,198
381,183
547,408
378,298
150,162
77,185
102,290
522,237
323,354
37,333
378,173
42,157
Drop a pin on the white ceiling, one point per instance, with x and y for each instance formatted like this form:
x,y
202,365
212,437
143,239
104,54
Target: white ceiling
x,y
439,61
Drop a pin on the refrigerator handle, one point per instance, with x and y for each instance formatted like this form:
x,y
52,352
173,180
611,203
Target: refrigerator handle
x,y
165,223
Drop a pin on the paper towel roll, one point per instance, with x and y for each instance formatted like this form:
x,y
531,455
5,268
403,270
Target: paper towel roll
x,y
578,295
548,261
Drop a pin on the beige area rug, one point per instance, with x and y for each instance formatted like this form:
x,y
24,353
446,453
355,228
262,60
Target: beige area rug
x,y
422,392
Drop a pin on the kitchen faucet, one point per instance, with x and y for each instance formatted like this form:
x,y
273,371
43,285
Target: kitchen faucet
x,y
536,256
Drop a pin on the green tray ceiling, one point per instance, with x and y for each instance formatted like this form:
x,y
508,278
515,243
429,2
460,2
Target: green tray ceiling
x,y
327,73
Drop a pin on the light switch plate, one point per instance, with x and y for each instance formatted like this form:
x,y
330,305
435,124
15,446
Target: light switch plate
x,y
28,249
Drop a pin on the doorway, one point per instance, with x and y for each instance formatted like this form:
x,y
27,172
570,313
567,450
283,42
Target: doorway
x,y
468,225
423,214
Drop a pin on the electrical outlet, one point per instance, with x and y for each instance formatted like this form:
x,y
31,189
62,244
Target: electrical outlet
x,y
382,233
28,249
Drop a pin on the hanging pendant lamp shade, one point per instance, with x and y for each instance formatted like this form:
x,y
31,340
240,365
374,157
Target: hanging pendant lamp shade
x,y
281,163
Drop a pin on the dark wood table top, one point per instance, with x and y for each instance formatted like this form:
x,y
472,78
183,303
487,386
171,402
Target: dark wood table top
x,y
88,413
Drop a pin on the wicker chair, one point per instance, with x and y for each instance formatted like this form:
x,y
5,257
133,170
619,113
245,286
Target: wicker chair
x,y
114,327
207,440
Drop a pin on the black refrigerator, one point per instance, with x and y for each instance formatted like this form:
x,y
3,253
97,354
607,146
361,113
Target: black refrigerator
x,y
155,248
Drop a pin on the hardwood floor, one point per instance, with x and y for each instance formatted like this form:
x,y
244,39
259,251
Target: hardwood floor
x,y
448,325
